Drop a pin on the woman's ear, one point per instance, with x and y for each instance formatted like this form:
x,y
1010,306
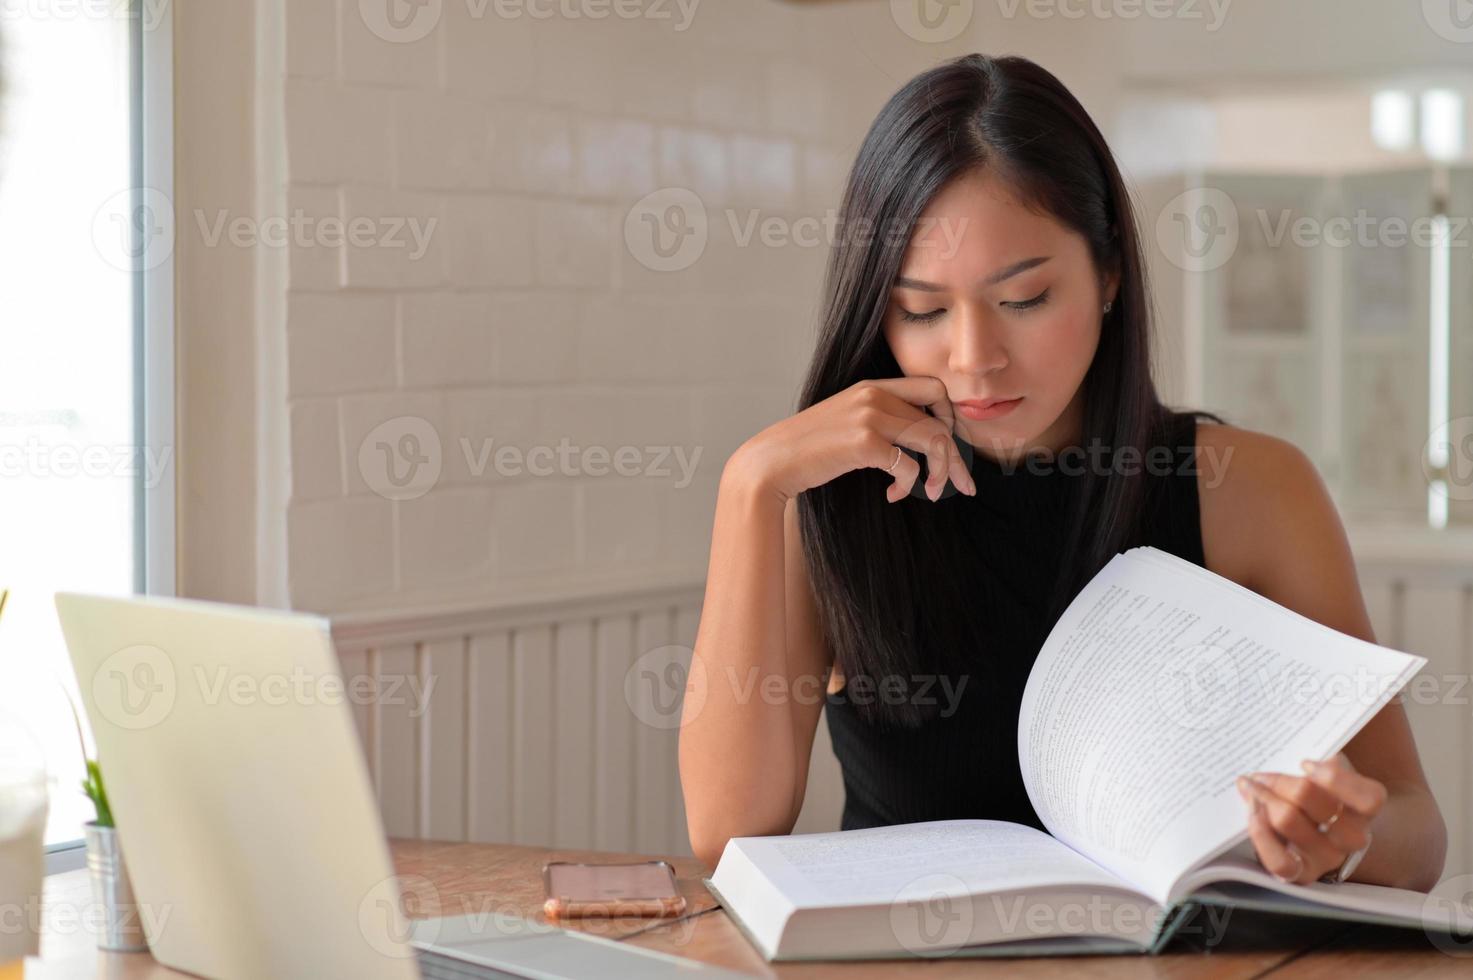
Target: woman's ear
x,y
1111,287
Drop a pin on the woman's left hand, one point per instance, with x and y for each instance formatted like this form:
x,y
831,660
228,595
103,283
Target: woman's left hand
x,y
1305,826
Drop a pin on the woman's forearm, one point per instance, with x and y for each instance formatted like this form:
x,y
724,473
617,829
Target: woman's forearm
x,y
1408,842
738,763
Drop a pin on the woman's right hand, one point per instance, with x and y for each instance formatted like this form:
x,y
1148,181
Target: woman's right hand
x,y
860,427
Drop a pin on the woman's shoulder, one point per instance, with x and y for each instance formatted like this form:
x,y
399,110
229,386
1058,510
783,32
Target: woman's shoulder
x,y
1256,493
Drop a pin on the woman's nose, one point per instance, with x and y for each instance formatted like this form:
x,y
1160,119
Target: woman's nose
x,y
976,344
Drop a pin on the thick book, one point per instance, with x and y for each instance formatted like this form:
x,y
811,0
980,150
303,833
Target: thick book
x,y
1159,685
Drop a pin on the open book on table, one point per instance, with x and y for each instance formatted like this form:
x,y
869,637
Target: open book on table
x,y
1158,686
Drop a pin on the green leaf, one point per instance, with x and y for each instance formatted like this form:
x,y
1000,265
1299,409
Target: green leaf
x,y
97,793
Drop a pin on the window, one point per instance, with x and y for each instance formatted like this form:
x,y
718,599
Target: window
x,y
1391,119
1442,123
86,444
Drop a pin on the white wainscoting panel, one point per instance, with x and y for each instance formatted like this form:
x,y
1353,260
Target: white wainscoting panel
x,y
1418,589
518,722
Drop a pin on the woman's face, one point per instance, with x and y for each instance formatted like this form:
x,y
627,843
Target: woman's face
x,y
999,302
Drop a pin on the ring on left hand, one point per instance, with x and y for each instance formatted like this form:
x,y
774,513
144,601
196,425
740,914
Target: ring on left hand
x,y
1325,825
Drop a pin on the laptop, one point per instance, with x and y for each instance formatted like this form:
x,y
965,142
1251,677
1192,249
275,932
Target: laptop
x,y
246,813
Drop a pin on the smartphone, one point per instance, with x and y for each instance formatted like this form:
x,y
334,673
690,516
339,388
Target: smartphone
x,y
643,888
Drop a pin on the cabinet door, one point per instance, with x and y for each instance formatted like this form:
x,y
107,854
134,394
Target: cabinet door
x,y
1384,350
1265,306
1457,436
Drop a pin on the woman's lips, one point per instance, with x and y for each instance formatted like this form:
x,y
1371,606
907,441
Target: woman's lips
x,y
980,411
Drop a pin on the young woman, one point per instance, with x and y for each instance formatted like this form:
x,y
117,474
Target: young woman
x,y
988,251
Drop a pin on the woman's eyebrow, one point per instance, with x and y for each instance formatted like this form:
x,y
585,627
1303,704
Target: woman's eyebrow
x,y
905,282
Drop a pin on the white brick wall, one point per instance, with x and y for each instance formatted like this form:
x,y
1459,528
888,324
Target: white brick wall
x,y
526,320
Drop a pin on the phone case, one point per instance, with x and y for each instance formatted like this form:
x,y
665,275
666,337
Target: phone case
x,y
587,889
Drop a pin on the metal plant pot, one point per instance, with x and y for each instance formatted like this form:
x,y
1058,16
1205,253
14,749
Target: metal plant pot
x,y
121,923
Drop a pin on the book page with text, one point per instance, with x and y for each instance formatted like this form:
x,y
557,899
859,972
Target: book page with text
x,y
1158,686
872,866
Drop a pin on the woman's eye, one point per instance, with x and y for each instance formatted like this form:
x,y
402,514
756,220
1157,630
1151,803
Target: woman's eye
x,y
1020,305
910,317
1029,304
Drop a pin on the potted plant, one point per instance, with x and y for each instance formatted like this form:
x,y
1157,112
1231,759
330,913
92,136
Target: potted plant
x,y
122,925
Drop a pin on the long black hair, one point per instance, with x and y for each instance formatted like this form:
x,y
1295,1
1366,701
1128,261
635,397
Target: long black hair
x,y
887,577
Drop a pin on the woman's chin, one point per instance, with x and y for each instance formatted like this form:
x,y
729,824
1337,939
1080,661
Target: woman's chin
x,y
996,436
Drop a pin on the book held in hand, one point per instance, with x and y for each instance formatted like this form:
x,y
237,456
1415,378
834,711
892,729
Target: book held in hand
x,y
1159,685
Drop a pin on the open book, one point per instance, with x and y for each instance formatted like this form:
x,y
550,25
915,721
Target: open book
x,y
1158,686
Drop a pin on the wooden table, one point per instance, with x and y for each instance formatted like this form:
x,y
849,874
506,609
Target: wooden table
x,y
467,878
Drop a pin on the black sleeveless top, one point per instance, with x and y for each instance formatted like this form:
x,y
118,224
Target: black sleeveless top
x,y
963,762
